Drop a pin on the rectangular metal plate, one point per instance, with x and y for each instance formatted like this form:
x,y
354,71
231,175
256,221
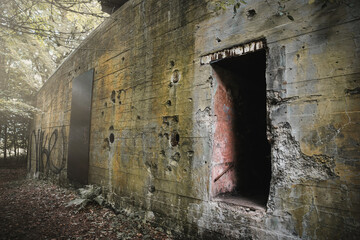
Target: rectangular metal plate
x,y
79,136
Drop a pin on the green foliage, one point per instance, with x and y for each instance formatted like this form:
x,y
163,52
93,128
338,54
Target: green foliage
x,y
16,109
35,37
40,34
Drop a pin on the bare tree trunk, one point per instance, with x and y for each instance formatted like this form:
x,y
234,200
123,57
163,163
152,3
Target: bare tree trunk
x,y
1,134
1,128
25,140
5,140
15,139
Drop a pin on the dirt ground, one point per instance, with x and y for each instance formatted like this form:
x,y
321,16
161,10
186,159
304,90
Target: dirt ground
x,y
33,209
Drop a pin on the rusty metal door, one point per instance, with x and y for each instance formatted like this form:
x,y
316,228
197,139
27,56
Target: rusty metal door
x,y
79,136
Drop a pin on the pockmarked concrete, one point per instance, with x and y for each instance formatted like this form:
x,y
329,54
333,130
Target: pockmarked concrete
x,y
165,125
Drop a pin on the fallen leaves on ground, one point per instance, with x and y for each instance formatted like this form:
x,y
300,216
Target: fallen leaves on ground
x,y
34,209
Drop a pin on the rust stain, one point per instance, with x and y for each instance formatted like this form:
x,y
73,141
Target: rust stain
x,y
224,148
233,52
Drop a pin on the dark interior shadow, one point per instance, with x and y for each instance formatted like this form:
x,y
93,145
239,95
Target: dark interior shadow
x,y
244,79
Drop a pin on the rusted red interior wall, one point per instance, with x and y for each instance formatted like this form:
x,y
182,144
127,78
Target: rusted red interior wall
x,y
224,142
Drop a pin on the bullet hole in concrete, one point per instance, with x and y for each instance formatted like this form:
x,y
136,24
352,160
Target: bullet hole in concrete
x,y
106,144
175,138
251,13
111,127
102,113
168,168
165,121
243,106
168,119
175,78
303,47
113,94
168,103
160,135
151,165
298,56
166,135
138,117
111,137
162,153
176,157
152,188
353,91
190,154
210,80
172,63
218,39
105,104
123,59
190,99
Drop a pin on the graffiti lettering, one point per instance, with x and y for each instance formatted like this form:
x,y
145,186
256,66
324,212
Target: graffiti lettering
x,y
43,149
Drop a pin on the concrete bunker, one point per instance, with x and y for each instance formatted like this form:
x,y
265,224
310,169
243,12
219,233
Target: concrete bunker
x,y
241,170
313,114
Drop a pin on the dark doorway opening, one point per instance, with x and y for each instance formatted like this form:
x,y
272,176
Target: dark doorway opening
x,y
242,161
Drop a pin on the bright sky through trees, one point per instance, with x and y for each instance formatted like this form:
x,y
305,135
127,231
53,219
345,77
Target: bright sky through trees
x,y
35,37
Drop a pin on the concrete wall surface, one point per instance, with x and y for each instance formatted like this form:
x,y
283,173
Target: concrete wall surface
x,y
160,130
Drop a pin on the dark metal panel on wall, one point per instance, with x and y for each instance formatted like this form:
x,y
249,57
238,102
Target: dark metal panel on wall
x,y
79,136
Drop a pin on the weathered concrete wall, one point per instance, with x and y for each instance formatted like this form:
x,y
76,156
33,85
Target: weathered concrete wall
x,y
153,94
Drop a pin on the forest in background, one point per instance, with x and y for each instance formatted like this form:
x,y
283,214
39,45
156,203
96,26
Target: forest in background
x,y
35,38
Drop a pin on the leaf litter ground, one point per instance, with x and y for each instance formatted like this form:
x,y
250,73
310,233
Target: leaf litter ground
x,y
33,209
